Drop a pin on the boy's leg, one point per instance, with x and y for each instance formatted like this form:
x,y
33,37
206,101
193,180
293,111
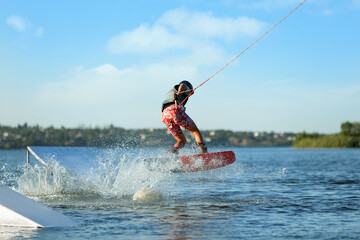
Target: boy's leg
x,y
168,116
182,119
198,137
181,140
196,132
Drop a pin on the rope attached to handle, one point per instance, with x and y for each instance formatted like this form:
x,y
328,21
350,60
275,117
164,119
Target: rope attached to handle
x,y
257,40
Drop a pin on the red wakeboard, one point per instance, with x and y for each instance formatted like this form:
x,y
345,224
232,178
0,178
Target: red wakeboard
x,y
190,163
206,161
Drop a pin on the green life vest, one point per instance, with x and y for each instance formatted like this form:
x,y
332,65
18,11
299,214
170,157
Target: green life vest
x,y
169,97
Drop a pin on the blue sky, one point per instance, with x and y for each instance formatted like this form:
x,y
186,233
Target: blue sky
x,y
95,63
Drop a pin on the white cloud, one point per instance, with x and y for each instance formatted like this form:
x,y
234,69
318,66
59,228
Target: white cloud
x,y
86,87
318,7
128,97
349,91
39,32
17,22
22,25
193,42
355,4
266,4
196,34
181,29
278,82
146,39
107,84
205,25
327,12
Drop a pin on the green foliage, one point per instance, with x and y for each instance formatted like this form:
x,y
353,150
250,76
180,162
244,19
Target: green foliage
x,y
350,129
349,137
355,131
305,135
24,135
328,141
346,128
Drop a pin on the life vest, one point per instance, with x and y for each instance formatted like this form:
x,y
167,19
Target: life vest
x,y
169,97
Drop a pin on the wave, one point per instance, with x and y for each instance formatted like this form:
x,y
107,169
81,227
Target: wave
x,y
111,176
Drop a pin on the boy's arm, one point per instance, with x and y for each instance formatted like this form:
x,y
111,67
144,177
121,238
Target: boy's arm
x,y
181,89
180,92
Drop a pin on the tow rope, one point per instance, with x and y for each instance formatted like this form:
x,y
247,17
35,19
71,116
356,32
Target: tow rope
x,y
257,40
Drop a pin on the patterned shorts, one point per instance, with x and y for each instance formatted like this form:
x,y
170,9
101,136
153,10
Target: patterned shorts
x,y
174,118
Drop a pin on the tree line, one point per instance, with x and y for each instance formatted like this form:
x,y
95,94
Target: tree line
x,y
349,137
111,136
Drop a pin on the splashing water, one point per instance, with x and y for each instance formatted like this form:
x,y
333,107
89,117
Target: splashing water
x,y
277,193
117,173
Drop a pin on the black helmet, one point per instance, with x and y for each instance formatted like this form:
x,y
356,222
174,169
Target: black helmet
x,y
187,84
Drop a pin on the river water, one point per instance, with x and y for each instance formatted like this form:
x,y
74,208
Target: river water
x,y
268,193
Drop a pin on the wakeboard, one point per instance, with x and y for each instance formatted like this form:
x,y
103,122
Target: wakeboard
x,y
191,163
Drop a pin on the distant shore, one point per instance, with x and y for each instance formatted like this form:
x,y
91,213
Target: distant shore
x,y
349,137
326,141
111,136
